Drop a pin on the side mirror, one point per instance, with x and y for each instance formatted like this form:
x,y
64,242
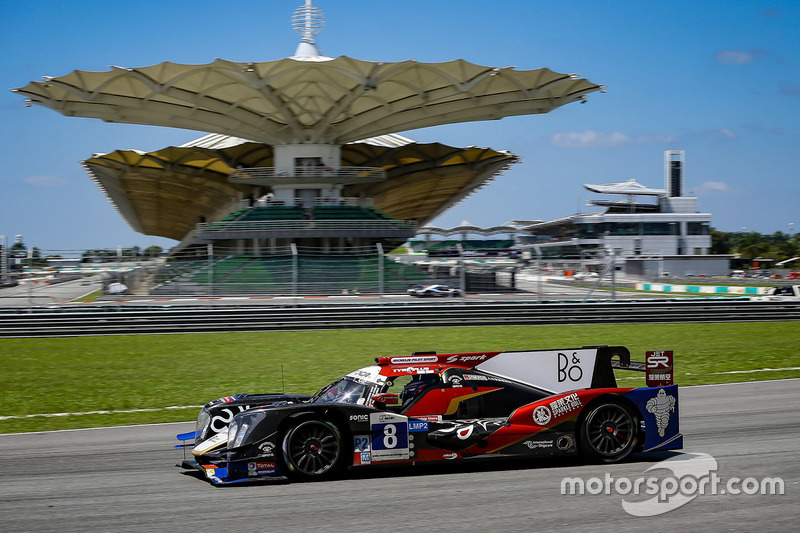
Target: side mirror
x,y
387,398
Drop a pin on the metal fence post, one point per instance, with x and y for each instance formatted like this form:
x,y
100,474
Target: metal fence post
x,y
538,251
294,269
613,273
462,273
380,269
210,249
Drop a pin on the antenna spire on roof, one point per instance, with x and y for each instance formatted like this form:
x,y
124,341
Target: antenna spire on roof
x,y
308,21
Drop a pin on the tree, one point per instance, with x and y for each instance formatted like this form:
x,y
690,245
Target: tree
x,y
720,244
153,251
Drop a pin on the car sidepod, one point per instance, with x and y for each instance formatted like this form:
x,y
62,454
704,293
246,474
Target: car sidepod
x,y
658,409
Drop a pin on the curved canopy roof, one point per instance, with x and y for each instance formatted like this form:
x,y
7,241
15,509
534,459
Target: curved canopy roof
x,y
630,187
166,192
325,101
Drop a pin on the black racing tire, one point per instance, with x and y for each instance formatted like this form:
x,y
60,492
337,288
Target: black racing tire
x,y
313,449
609,432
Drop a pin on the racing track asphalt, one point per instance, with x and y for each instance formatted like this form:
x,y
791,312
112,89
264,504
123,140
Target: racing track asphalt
x,y
123,479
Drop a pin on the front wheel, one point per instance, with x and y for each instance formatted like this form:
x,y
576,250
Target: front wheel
x,y
312,449
609,432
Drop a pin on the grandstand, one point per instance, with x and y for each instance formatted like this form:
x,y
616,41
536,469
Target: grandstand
x,y
303,184
287,272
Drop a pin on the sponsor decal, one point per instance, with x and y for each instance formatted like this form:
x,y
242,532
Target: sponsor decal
x,y
413,360
414,370
659,368
465,358
569,367
564,405
359,418
429,418
450,456
542,415
228,399
267,449
455,381
534,444
366,458
661,406
475,377
417,425
260,469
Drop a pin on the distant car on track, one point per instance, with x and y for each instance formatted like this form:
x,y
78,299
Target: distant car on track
x,y
782,293
424,291
428,408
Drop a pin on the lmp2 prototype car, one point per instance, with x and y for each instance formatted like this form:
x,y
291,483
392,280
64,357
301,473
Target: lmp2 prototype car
x,y
451,407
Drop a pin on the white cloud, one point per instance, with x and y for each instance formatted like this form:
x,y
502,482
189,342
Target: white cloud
x,y
713,186
599,139
44,181
789,89
734,57
740,57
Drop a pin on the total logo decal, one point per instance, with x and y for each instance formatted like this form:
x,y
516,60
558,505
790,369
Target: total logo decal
x,y
260,469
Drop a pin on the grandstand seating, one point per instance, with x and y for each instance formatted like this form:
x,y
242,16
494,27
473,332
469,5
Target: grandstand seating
x,y
315,274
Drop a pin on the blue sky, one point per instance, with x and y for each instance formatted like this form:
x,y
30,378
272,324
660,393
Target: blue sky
x,y
718,79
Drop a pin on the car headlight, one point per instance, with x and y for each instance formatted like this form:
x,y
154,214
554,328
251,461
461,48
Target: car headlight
x,y
203,421
237,432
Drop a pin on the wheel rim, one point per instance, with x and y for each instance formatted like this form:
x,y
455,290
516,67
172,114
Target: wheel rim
x,y
610,430
313,448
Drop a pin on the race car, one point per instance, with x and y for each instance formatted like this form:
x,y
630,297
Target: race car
x,y
783,293
422,291
430,407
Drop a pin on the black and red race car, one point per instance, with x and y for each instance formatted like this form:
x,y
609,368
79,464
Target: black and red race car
x,y
453,407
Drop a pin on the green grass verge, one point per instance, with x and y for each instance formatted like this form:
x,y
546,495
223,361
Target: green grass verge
x,y
91,297
121,373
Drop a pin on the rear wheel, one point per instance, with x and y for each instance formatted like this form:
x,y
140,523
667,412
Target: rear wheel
x,y
313,449
609,432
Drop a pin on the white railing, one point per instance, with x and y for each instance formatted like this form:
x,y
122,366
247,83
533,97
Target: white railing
x,y
310,224
349,201
350,174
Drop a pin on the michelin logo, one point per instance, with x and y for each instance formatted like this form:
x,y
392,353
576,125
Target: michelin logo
x,y
661,406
